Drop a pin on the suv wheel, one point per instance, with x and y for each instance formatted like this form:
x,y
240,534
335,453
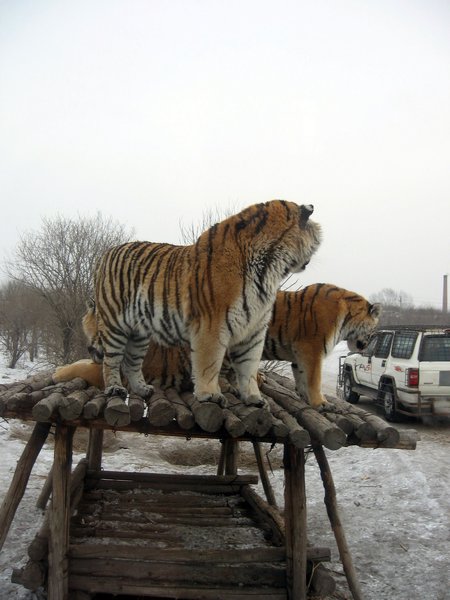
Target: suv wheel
x,y
349,394
390,405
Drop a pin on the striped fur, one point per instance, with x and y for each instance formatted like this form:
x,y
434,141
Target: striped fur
x,y
213,296
306,325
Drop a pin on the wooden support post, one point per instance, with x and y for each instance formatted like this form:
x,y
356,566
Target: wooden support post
x,y
333,515
231,456
221,464
295,519
95,448
46,491
268,490
58,575
20,479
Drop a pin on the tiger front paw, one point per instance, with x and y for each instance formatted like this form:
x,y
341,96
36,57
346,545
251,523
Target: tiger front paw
x,y
209,397
255,400
144,390
116,390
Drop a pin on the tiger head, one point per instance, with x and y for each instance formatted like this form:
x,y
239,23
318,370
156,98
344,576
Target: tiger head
x,y
359,324
89,322
277,233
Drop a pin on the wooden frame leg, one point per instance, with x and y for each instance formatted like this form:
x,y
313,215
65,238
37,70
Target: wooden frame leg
x,y
59,516
95,449
295,519
336,525
20,479
268,490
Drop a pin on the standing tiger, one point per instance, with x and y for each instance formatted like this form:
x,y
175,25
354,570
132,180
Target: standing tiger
x,y
306,325
214,296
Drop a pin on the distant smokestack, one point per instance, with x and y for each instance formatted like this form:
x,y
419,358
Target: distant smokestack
x,y
444,296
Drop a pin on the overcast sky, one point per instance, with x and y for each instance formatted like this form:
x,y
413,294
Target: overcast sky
x,y
155,112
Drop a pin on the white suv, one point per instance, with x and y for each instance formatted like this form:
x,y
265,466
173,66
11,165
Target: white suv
x,y
405,369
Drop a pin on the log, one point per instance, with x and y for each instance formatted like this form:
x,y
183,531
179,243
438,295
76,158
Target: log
x,y
267,515
231,450
23,403
179,555
38,548
295,521
59,516
146,587
181,480
257,421
208,415
317,425
20,478
335,521
117,412
184,416
297,435
160,410
137,407
95,448
321,581
42,500
343,422
44,409
31,576
31,384
407,441
194,572
71,406
233,424
268,490
95,407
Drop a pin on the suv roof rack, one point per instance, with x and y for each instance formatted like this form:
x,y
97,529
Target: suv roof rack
x,y
444,328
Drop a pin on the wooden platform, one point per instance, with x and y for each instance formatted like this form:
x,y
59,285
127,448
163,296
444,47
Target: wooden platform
x,y
174,536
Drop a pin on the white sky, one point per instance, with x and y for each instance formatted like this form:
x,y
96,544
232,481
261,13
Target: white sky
x,y
156,111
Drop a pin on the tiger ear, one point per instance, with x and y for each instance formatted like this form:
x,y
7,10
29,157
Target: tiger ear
x,y
306,210
375,310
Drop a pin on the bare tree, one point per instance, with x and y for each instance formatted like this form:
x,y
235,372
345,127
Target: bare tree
x,y
18,320
58,262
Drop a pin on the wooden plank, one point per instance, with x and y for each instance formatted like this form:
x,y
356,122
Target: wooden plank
x,y
235,555
182,480
116,585
266,514
58,588
20,478
194,572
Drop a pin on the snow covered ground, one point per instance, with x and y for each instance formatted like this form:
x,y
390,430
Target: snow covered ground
x,y
395,504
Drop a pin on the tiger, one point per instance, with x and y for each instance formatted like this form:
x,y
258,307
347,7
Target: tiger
x,y
215,296
307,324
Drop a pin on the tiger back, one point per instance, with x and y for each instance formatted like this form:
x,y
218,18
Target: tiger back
x,y
213,296
307,324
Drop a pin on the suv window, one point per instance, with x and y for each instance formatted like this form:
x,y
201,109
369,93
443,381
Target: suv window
x,y
435,348
404,342
383,345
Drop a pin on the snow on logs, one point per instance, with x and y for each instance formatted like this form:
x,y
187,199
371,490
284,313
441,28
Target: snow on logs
x,y
286,418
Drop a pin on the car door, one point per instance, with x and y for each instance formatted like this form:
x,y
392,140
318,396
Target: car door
x,y
363,362
380,355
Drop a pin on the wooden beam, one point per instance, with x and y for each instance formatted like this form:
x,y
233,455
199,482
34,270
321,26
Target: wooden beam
x,y
268,490
295,519
20,478
58,576
333,515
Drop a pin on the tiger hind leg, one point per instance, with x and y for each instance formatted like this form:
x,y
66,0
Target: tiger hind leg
x,y
308,381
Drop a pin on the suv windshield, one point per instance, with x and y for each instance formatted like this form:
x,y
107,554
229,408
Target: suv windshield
x,y
435,348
